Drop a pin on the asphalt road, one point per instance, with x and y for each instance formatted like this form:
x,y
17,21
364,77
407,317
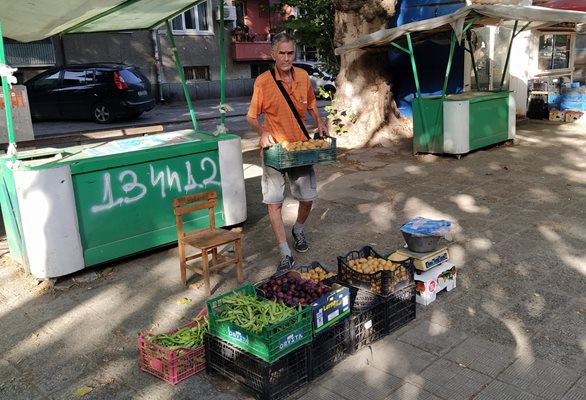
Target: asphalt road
x,y
164,117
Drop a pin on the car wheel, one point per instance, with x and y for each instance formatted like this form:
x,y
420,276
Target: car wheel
x,y
102,113
330,89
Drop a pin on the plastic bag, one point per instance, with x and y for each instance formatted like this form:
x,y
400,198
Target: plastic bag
x,y
420,226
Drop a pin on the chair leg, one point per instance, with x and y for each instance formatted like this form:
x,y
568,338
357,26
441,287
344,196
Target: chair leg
x,y
182,268
206,271
238,249
214,256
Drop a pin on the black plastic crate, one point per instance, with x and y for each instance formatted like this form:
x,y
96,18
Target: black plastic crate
x,y
328,349
363,300
276,380
367,326
382,282
374,317
401,308
360,299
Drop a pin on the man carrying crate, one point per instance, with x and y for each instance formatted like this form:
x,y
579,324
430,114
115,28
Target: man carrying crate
x,y
284,94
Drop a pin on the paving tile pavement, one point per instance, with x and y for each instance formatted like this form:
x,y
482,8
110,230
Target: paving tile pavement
x,y
512,329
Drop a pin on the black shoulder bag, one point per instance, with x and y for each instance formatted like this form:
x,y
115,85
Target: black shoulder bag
x,y
291,105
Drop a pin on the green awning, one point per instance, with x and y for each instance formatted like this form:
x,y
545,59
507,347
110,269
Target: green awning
x,y
28,20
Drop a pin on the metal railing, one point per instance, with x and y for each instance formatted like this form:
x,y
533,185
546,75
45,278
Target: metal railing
x,y
30,54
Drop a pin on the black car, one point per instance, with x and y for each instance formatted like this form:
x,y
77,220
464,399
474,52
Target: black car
x,y
102,92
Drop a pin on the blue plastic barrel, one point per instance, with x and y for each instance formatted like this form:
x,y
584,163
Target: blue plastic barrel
x,y
419,10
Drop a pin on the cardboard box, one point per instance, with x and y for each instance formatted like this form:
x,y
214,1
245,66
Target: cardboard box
x,y
432,281
572,116
330,308
556,115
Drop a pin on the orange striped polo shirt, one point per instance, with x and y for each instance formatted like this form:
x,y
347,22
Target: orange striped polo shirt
x,y
267,99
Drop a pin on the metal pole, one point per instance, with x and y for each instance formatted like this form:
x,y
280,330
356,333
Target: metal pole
x,y
415,77
474,67
413,66
158,64
222,66
508,56
449,66
6,95
181,74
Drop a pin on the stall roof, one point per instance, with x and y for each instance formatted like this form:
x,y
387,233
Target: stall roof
x,y
481,15
574,5
30,20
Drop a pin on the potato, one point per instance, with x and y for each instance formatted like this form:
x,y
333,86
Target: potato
x,y
304,145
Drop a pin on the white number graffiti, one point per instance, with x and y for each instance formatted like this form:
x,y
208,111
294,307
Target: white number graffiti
x,y
168,180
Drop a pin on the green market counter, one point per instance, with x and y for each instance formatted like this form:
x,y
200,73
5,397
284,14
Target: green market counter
x,y
72,208
463,122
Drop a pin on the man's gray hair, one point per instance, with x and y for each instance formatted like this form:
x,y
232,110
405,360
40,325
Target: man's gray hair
x,y
282,37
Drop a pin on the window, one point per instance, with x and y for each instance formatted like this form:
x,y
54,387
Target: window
x,y
554,51
103,76
130,77
200,73
196,20
48,82
77,77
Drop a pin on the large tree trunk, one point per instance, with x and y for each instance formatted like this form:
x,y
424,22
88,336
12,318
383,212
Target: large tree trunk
x,y
364,104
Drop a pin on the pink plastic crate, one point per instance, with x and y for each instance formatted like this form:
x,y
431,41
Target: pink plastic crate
x,y
165,363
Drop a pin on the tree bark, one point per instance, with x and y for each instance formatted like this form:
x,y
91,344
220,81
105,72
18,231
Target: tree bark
x,y
363,101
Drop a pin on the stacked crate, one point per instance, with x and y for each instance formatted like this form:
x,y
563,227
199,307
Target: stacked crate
x,y
273,364
289,355
267,380
375,315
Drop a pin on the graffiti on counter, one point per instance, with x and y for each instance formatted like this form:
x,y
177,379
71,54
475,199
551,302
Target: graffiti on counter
x,y
167,180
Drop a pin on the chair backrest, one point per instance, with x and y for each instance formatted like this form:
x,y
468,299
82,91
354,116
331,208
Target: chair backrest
x,y
195,202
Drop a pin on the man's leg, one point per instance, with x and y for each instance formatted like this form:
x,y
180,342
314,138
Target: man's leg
x,y
273,187
303,211
276,219
304,189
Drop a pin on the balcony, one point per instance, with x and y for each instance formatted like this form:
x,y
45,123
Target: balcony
x,y
251,51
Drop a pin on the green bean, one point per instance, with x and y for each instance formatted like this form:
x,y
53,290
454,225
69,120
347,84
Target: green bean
x,y
252,313
188,337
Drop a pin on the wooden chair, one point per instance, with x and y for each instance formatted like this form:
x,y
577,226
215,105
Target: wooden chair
x,y
206,240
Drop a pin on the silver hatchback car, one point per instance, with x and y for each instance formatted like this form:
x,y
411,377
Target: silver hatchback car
x,y
318,76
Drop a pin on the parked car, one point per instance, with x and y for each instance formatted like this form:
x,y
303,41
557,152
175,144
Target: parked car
x,y
102,92
318,76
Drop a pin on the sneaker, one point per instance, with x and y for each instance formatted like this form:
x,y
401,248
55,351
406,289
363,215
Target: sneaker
x,y
301,245
286,263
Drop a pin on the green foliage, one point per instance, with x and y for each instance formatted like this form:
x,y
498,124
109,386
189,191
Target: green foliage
x,y
339,118
315,28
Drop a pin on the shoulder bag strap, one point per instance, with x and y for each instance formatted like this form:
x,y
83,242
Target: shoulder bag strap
x,y
291,105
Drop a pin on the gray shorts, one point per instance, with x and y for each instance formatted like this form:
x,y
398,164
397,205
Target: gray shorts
x,y
302,182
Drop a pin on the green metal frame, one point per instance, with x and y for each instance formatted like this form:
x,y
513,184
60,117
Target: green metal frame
x,y
222,66
6,94
513,36
474,67
181,74
409,50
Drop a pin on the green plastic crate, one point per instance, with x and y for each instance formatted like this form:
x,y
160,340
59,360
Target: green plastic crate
x,y
273,342
276,156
